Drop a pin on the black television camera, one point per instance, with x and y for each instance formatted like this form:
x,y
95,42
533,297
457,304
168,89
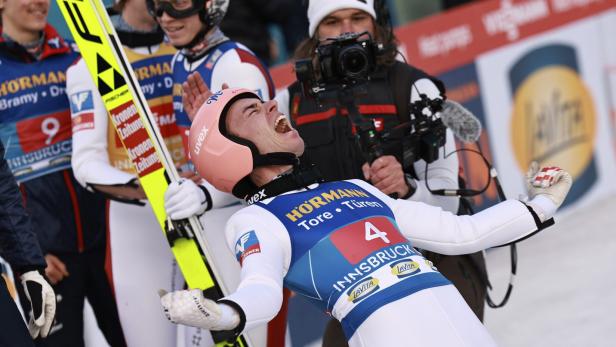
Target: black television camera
x,y
341,62
424,134
342,67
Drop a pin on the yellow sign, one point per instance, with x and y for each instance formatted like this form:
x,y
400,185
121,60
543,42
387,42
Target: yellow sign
x,y
553,120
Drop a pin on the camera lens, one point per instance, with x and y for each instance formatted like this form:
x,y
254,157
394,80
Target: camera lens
x,y
354,62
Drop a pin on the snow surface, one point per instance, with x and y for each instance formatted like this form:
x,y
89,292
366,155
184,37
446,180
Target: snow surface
x,y
565,290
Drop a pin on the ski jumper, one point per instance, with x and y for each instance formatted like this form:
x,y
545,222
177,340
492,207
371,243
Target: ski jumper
x,y
330,144
231,63
35,127
140,260
348,248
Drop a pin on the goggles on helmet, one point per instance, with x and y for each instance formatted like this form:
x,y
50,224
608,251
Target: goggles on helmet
x,y
174,8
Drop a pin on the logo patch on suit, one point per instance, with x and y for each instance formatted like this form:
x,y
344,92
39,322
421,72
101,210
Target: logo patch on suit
x,y
246,245
363,289
405,267
81,101
83,121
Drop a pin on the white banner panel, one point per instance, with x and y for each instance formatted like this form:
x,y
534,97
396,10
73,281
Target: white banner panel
x,y
545,100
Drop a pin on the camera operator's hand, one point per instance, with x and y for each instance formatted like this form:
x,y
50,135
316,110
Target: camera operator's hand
x,y
194,93
386,174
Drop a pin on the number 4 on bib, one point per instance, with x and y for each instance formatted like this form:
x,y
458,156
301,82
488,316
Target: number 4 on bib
x,y
372,232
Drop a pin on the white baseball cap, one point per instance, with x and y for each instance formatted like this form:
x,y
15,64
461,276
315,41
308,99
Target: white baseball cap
x,y
319,9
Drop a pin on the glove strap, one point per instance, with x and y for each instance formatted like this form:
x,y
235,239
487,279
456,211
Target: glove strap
x,y
208,197
540,225
240,327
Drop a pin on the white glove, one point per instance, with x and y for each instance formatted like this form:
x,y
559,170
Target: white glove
x,y
189,307
547,188
43,302
183,199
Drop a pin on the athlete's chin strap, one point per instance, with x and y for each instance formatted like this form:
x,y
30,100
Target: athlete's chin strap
x,y
299,177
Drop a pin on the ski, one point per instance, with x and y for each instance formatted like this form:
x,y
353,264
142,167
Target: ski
x,y
137,129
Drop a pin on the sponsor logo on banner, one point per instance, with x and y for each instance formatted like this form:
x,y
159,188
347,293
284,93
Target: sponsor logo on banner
x,y
404,268
246,245
363,289
512,15
554,119
441,43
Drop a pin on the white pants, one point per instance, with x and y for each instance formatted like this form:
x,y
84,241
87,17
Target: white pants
x,y
431,317
142,263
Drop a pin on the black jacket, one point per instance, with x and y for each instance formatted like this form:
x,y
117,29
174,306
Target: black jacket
x,y
18,244
247,22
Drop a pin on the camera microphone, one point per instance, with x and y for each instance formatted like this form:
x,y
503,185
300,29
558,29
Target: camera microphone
x,y
464,125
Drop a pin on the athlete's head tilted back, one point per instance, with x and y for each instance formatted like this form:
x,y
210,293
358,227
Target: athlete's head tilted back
x,y
235,135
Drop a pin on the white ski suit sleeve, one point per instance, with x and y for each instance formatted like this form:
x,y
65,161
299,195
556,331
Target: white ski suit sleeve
x,y
261,280
90,160
431,228
426,226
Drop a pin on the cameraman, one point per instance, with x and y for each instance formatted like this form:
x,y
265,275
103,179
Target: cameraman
x,y
329,132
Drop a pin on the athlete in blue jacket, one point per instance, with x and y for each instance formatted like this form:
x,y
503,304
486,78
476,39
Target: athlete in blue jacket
x,y
35,128
344,245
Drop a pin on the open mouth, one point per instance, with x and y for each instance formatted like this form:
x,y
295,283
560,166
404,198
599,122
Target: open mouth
x,y
282,125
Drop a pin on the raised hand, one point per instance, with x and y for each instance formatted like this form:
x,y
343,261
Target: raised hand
x,y
551,183
194,93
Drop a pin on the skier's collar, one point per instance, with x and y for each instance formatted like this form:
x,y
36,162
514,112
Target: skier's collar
x,y
203,43
296,179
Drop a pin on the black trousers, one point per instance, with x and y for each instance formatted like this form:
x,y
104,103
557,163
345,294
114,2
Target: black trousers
x,y
87,279
13,332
